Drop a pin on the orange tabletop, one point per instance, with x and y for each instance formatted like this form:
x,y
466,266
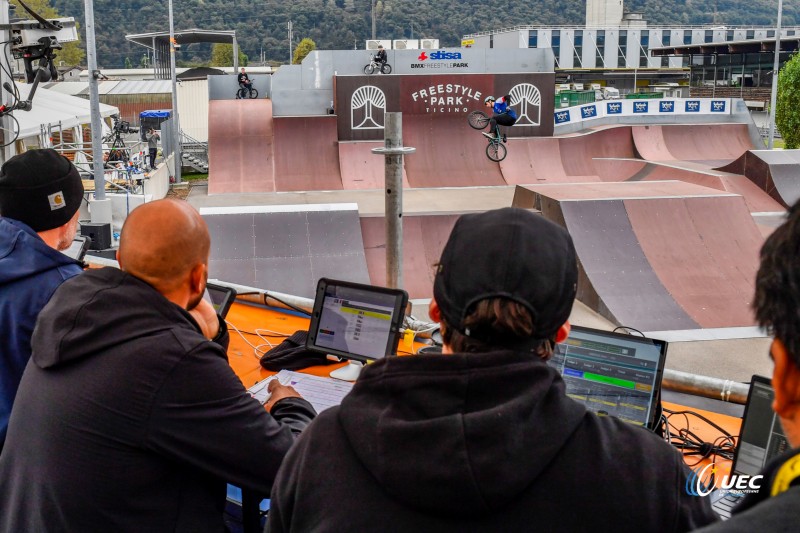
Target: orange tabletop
x,y
273,324
704,431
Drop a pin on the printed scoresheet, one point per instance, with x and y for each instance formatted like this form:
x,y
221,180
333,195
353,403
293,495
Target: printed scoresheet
x,y
322,393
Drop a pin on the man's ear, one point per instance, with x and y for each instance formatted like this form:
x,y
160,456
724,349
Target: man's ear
x,y
197,279
563,332
785,381
434,312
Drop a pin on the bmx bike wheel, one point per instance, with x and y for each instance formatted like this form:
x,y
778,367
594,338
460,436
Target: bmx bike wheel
x,y
253,93
369,69
386,68
478,120
496,151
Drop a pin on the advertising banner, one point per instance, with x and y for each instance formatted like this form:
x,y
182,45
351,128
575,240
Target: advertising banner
x,y
361,102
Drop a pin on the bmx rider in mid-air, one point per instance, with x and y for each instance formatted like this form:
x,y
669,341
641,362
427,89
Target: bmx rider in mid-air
x,y
504,115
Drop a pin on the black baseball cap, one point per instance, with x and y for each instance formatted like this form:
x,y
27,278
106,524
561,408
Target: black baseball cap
x,y
509,253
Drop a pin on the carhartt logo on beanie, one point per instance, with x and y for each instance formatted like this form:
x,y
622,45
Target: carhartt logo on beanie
x,y
40,188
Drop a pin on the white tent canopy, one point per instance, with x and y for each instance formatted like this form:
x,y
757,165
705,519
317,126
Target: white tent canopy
x,y
51,108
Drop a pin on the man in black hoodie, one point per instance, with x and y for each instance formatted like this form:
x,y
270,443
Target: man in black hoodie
x,y
483,437
776,505
128,417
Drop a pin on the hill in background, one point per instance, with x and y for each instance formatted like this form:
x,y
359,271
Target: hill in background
x,y
345,24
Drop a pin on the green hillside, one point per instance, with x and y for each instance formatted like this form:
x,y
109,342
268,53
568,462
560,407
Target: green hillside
x,y
345,24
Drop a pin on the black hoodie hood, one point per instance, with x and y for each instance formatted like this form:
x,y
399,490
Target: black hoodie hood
x,y
75,323
462,434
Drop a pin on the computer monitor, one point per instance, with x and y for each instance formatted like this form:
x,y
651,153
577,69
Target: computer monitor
x,y
613,374
356,322
220,297
762,436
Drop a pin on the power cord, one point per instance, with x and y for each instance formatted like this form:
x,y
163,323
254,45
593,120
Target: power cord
x,y
259,350
691,445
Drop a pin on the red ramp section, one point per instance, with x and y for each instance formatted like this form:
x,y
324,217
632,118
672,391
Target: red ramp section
x,y
360,168
240,156
449,153
424,238
603,155
776,172
704,251
713,143
659,255
306,154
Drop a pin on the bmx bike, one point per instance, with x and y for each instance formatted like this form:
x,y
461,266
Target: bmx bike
x,y
244,92
496,149
377,66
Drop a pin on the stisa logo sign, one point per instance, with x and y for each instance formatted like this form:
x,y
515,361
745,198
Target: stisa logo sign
x,y
589,111
440,59
562,117
613,108
666,107
439,56
692,106
700,482
640,107
717,106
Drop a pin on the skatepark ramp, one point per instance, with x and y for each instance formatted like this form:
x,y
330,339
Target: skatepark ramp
x,y
658,256
286,248
777,172
424,237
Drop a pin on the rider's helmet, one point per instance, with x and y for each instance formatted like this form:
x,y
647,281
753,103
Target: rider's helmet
x,y
489,99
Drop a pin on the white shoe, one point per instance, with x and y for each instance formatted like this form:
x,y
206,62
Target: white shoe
x,y
488,135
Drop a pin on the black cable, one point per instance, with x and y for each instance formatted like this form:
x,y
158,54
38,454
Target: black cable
x,y
16,135
287,304
629,330
690,444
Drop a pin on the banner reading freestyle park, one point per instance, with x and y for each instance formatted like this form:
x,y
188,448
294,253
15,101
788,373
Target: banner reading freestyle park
x,y
362,101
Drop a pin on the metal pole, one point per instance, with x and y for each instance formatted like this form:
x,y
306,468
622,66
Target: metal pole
x,y
291,56
176,124
7,124
94,105
372,3
773,98
393,150
393,138
235,56
719,389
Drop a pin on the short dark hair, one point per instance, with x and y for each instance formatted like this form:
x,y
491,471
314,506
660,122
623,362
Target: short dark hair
x,y
778,284
494,318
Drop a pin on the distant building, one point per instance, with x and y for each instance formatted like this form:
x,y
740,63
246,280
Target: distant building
x,y
614,47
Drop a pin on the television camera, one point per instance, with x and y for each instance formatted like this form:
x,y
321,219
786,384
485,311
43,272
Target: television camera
x,y
118,151
35,42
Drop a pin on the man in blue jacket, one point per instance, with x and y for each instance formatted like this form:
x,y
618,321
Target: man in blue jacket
x,y
40,194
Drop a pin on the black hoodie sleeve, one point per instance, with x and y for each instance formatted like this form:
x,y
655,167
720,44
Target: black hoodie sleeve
x,y
203,417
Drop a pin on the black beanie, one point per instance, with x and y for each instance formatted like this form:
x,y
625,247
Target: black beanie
x,y
40,188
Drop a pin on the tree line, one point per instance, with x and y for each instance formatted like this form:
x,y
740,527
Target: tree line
x,y
261,25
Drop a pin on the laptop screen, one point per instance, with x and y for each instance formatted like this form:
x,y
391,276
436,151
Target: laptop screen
x,y
762,436
613,374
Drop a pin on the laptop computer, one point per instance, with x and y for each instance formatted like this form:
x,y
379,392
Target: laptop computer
x,y
613,374
760,439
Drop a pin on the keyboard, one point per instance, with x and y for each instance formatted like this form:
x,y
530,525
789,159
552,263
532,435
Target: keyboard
x,y
723,502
